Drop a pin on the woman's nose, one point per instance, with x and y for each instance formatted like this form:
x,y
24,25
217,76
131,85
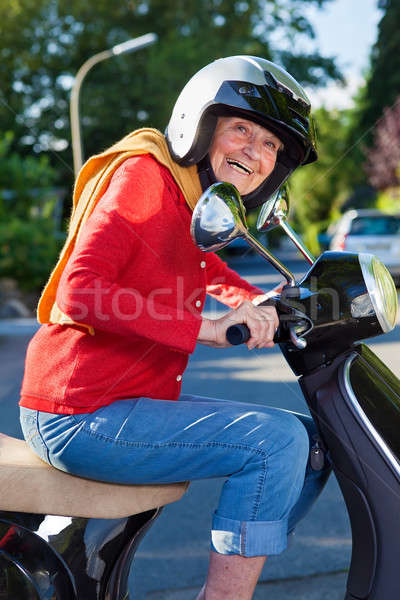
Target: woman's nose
x,y
252,149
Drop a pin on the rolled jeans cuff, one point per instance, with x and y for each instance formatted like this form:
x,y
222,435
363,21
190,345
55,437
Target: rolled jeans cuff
x,y
248,538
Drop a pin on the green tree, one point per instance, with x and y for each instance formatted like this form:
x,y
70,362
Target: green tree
x,y
28,241
43,44
383,84
384,157
319,189
381,89
339,180
26,183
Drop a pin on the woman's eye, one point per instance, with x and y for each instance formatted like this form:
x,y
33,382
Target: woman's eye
x,y
270,144
242,128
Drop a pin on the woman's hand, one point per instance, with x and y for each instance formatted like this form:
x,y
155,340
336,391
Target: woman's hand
x,y
261,320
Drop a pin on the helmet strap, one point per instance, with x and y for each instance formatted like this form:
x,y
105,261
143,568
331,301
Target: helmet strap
x,y
206,173
258,196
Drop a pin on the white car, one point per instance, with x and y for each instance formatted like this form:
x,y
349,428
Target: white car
x,y
373,232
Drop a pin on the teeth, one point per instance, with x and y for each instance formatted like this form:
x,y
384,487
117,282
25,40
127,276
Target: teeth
x,y
239,166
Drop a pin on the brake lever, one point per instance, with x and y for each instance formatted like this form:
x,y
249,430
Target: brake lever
x,y
297,341
294,293
240,333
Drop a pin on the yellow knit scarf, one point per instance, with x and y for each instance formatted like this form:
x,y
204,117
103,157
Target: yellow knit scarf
x,y
91,183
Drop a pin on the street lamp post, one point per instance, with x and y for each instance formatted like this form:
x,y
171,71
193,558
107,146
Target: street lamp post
x,y
129,46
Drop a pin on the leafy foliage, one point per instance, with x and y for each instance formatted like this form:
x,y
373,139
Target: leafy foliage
x,y
28,250
339,180
382,86
25,183
383,166
43,44
319,189
28,245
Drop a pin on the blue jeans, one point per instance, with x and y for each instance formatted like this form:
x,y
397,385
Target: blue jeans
x,y
262,451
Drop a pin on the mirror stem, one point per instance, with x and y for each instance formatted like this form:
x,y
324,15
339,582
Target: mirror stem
x,y
297,241
259,248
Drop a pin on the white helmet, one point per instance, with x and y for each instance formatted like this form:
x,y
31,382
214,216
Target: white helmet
x,y
255,89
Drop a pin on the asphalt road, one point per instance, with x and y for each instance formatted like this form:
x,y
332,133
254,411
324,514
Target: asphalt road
x,y
172,560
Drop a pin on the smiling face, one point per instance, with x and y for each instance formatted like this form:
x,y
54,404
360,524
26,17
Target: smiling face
x,y
243,153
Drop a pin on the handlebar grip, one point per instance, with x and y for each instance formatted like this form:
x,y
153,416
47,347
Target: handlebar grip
x,y
240,334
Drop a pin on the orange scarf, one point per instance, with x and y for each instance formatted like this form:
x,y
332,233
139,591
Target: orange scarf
x,y
91,183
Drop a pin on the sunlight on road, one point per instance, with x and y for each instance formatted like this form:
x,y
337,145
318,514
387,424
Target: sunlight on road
x,y
325,542
387,352
266,367
272,366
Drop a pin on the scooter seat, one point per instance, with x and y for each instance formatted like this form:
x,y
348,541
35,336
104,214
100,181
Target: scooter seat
x,y
30,485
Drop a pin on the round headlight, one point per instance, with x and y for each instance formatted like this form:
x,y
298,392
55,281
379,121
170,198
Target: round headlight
x,y
381,289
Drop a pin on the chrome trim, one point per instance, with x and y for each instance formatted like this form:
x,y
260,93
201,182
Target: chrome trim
x,y
297,241
376,436
378,301
275,262
274,213
219,217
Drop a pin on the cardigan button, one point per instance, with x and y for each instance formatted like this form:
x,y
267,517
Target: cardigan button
x,y
179,378
198,303
203,264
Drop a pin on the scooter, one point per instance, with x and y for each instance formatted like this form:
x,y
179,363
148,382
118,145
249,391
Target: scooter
x,y
353,397
63,537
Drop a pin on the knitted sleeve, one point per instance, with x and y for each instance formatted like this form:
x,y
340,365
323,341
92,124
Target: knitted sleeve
x,y
113,278
226,285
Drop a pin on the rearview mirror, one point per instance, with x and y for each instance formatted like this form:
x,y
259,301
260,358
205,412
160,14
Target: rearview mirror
x,y
274,210
219,217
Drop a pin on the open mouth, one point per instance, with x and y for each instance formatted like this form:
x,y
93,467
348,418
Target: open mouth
x,y
239,166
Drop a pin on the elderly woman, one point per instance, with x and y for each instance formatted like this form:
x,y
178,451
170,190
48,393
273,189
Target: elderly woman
x,y
121,314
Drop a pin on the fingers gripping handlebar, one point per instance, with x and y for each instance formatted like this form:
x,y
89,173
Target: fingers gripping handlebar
x,y
290,318
240,334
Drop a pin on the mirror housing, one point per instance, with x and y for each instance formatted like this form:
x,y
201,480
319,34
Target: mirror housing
x,y
274,210
219,217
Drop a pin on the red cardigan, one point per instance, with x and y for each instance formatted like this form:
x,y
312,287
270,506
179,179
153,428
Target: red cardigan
x,y
137,278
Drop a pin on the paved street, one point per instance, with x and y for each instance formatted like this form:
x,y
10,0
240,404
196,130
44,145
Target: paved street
x,y
172,560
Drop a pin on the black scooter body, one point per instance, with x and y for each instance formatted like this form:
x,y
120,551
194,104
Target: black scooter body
x,y
353,400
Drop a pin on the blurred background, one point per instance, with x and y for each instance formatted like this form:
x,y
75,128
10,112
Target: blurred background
x,y
346,54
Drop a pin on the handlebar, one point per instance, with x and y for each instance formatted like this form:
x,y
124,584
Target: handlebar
x,y
240,334
289,317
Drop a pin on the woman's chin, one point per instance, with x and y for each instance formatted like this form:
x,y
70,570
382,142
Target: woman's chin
x,y
240,182
244,189
243,186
